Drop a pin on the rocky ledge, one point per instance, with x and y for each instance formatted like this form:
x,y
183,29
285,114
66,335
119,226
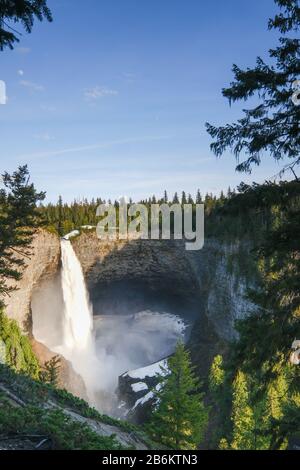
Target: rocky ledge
x,y
135,391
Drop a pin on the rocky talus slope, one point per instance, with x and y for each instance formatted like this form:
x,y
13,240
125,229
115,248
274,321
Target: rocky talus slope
x,y
20,393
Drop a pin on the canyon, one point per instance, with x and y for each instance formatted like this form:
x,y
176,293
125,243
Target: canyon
x,y
205,289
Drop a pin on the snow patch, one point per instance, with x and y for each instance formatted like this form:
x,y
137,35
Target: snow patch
x,y
147,397
143,400
149,371
139,386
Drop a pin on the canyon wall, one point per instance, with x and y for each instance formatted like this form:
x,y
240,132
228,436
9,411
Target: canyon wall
x,y
213,281
43,264
138,273
206,286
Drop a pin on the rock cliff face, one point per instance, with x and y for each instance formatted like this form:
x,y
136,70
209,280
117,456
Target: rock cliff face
x,y
139,274
210,282
224,272
207,286
68,378
43,263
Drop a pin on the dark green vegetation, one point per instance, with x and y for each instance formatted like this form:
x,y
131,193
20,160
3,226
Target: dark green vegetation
x,y
272,126
16,349
61,431
179,418
22,12
50,371
61,218
258,389
19,221
29,407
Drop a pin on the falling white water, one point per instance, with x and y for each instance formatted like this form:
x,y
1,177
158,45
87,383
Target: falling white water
x,y
78,342
78,315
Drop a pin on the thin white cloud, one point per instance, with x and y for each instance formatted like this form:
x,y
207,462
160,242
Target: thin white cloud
x,y
23,50
129,75
98,92
45,136
31,85
53,153
21,72
48,108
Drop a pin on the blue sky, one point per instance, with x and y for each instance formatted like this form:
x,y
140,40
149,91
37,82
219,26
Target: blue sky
x,y
111,98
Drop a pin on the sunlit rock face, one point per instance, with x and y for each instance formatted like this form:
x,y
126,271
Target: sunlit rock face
x,y
43,264
67,378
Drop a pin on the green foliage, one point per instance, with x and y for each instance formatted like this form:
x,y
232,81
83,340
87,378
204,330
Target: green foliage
x,y
18,351
266,338
35,394
179,418
262,351
64,432
79,405
62,218
19,221
20,11
271,127
255,412
242,415
50,371
217,374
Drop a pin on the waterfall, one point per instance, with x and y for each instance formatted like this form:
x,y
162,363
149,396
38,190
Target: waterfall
x,y
78,315
78,342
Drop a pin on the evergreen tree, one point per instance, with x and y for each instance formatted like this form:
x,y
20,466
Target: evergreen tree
x,y
242,415
183,198
271,127
51,370
265,336
190,199
60,217
217,374
229,192
221,395
23,12
198,197
179,418
175,199
165,199
19,220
